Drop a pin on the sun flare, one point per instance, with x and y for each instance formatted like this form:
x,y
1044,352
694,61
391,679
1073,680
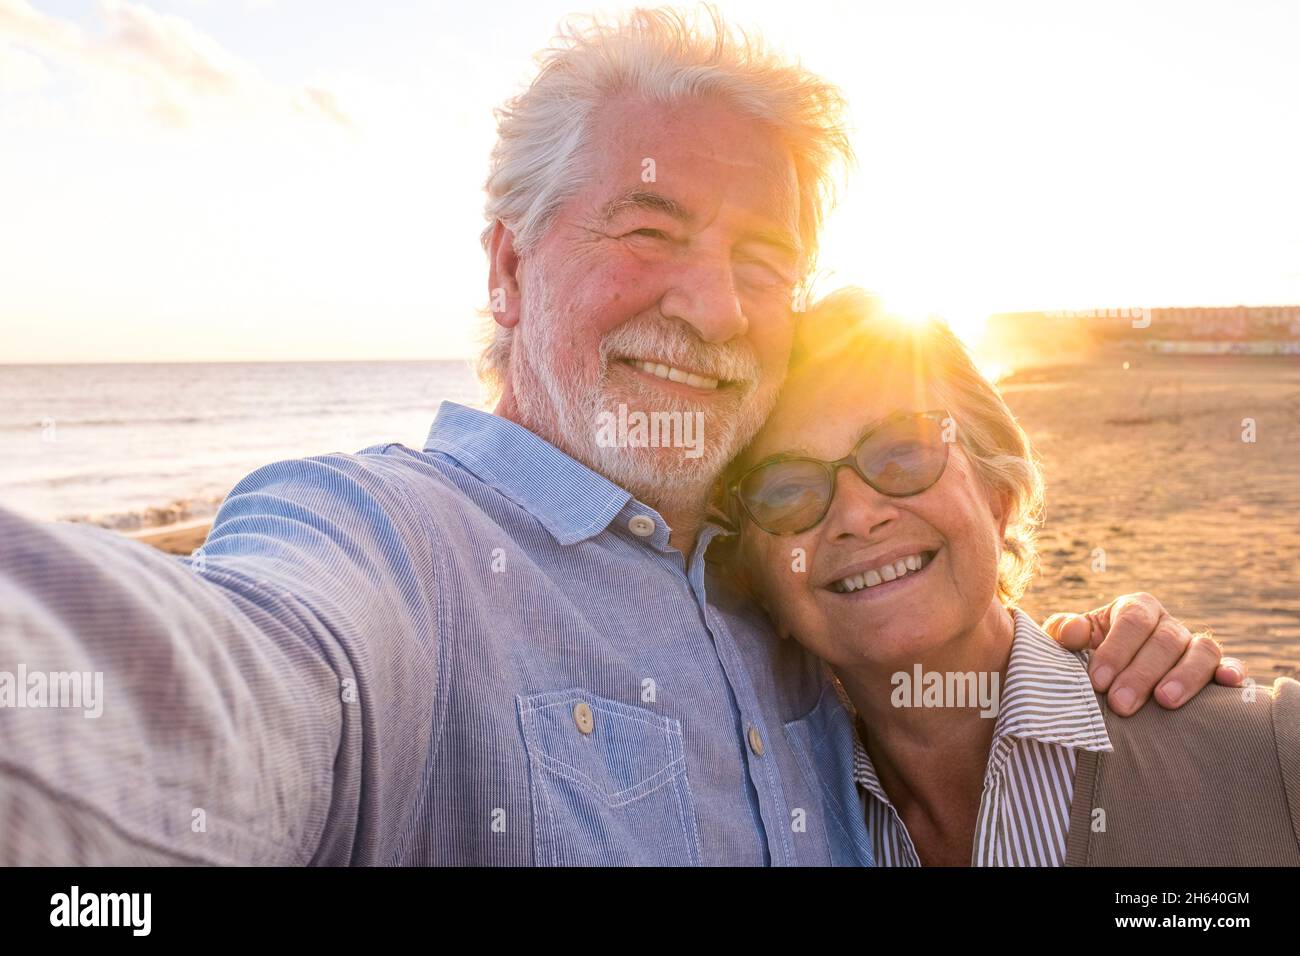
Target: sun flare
x,y
968,322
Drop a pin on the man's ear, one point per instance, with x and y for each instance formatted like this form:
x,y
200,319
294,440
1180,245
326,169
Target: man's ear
x,y
504,298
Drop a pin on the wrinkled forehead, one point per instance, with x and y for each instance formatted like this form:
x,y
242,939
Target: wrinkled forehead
x,y
700,152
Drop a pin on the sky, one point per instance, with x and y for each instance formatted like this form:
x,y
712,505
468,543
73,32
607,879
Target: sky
x,y
213,180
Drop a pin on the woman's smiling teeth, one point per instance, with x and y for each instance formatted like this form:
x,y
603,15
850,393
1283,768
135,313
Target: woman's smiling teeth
x,y
674,374
890,571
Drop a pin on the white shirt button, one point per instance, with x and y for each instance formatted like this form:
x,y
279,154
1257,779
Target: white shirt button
x,y
642,526
583,717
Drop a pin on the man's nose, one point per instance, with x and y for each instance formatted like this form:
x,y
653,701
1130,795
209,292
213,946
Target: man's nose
x,y
857,510
705,296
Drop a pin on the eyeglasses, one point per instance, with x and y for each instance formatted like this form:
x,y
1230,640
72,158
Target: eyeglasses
x,y
901,456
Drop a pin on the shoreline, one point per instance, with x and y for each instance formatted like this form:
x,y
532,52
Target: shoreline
x,y
181,538
1172,474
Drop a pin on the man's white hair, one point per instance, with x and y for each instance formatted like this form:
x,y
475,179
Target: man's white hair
x,y
666,55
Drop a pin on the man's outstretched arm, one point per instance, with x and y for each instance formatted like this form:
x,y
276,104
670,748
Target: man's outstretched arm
x,y
246,705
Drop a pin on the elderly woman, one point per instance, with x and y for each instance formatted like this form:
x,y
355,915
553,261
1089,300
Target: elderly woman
x,y
887,514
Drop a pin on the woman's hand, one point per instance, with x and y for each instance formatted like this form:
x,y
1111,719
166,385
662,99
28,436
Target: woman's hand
x,y
1138,645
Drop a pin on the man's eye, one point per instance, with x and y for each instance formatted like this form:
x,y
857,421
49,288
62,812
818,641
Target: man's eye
x,y
768,272
650,233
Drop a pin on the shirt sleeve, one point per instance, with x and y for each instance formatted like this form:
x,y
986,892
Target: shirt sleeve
x,y
268,700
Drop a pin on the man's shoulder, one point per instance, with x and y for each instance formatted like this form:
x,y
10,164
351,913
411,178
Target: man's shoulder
x,y
373,473
406,468
376,495
456,503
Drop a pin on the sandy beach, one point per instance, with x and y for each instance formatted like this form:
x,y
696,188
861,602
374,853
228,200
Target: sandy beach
x,y
1150,487
1149,465
175,539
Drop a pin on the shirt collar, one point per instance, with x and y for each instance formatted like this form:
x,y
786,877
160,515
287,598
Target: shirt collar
x,y
571,501
1047,697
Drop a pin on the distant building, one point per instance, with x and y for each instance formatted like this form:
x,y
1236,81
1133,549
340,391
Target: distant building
x,y
1222,329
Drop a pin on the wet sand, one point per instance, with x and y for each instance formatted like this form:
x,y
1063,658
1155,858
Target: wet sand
x,y
1148,464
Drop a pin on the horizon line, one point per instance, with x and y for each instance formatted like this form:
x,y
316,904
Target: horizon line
x,y
269,361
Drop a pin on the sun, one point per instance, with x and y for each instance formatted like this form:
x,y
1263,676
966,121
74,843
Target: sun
x,y
967,321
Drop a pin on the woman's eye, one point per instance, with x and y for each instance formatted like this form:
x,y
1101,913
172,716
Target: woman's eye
x,y
786,490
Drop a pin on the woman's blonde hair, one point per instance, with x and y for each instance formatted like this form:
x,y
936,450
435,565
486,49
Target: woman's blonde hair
x,y
848,330
667,55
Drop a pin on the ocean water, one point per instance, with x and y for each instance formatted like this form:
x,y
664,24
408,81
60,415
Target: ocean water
x,y
149,445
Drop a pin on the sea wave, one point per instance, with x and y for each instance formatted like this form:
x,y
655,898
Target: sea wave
x,y
315,411
155,516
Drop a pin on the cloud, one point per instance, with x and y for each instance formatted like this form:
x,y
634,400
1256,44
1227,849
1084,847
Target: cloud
x,y
159,63
21,72
314,100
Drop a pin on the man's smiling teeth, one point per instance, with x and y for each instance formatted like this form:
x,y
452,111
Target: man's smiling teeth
x,y
886,572
674,374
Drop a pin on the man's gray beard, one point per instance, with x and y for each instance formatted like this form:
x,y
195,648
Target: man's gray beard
x,y
567,412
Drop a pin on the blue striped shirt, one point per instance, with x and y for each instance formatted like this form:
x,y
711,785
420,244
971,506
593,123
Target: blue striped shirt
x,y
1047,711
478,653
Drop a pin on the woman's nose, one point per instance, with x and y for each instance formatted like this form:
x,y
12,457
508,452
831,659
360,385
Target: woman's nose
x,y
857,510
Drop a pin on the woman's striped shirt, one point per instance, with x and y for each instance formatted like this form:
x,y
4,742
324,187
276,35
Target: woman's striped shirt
x,y
1047,712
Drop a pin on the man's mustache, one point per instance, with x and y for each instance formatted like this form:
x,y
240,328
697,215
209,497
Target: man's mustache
x,y
681,349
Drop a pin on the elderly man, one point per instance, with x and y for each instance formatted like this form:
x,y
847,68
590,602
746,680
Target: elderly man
x,y
505,648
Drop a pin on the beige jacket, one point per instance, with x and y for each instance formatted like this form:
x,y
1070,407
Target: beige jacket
x,y
1215,783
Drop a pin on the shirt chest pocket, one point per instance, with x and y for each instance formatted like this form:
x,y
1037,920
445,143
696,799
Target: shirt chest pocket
x,y
608,783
